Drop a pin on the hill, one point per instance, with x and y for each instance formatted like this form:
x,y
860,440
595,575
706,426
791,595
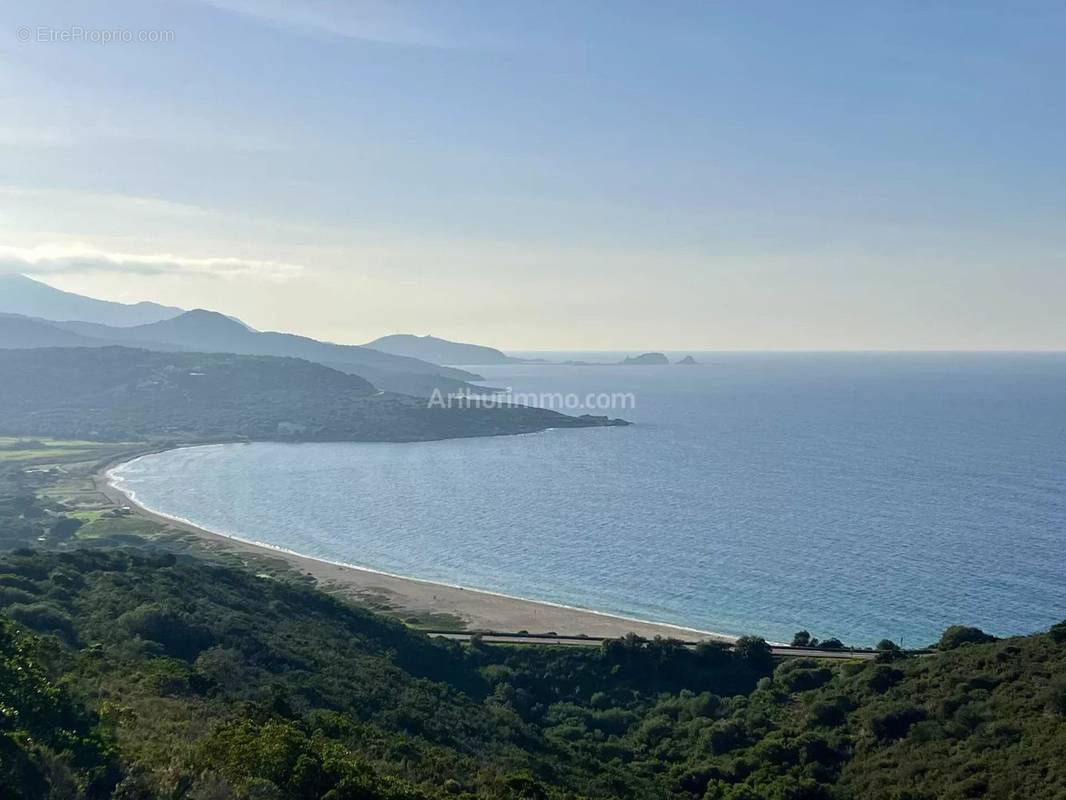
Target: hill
x,y
441,351
19,332
22,295
23,332
127,675
118,393
208,331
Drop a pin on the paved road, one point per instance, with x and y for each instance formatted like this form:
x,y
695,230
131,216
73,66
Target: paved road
x,y
593,641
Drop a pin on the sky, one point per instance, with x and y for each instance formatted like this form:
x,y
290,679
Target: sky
x,y
549,174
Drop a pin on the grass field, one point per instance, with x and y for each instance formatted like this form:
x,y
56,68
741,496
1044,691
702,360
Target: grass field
x,y
62,471
15,449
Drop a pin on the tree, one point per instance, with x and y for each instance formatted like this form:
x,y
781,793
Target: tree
x,y
65,528
832,644
888,651
893,723
802,639
959,635
1058,632
755,651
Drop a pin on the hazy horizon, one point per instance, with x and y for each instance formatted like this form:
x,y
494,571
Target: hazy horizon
x,y
551,176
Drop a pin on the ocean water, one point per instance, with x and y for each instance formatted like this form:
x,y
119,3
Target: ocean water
x,y
858,496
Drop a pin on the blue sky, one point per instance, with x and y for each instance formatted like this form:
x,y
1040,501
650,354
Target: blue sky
x,y
540,175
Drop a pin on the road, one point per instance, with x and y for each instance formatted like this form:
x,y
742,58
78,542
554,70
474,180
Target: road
x,y
782,651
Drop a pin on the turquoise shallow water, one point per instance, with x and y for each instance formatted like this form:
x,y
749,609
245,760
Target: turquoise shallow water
x,y
860,496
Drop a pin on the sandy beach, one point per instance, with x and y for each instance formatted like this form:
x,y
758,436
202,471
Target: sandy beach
x,y
405,597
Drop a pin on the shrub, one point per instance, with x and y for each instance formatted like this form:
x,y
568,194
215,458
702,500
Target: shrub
x,y
9,595
895,722
882,678
19,582
1058,632
754,650
179,637
43,618
1055,697
802,675
959,635
829,713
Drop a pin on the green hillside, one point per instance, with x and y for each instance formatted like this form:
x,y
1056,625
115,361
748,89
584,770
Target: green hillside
x,y
142,677
118,393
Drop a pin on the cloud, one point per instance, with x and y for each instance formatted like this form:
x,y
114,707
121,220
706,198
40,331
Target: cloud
x,y
384,23
43,137
78,258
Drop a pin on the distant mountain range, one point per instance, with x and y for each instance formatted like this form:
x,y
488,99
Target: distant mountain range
x,y
39,316
442,351
21,295
34,315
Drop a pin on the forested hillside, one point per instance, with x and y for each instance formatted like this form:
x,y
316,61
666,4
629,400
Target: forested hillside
x,y
141,676
119,393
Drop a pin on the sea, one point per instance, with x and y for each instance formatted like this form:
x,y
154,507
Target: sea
x,y
858,496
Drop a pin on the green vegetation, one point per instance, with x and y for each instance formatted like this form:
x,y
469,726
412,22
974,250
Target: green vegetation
x,y
47,497
124,394
139,676
28,450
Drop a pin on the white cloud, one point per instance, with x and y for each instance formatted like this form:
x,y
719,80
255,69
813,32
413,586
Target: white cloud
x,y
389,22
79,258
42,137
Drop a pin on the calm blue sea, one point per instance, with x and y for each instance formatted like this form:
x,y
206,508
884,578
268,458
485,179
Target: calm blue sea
x,y
858,496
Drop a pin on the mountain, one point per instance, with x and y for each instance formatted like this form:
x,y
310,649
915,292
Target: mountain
x,y
100,323
441,351
125,394
208,331
18,332
30,298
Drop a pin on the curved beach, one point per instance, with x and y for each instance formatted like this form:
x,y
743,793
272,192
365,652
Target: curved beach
x,y
403,596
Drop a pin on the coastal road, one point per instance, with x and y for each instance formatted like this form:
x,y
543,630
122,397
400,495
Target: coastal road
x,y
782,651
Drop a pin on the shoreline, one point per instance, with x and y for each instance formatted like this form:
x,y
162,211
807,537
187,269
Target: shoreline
x,y
478,609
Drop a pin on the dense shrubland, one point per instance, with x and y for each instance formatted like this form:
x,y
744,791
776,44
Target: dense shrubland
x,y
145,676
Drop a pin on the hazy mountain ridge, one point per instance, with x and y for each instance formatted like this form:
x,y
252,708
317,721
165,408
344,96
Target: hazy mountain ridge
x,y
19,332
22,295
441,351
209,331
